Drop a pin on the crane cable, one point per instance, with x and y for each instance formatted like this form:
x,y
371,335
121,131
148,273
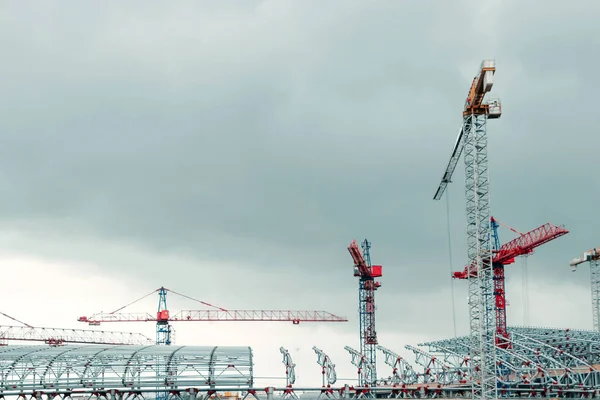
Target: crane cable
x,y
450,262
525,290
135,301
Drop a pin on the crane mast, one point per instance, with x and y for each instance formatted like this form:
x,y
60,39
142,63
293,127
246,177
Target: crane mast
x,y
366,272
499,290
593,257
163,328
472,140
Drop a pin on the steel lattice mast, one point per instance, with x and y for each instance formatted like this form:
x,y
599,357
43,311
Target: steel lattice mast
x,y
472,139
366,308
593,257
163,328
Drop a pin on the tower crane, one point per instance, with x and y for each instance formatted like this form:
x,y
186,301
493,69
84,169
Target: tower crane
x,y
505,255
472,138
593,257
163,317
366,272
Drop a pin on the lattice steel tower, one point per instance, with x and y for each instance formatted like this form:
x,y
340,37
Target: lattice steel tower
x,y
472,138
366,308
593,257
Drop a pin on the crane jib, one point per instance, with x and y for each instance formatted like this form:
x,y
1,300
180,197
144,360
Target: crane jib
x,y
454,157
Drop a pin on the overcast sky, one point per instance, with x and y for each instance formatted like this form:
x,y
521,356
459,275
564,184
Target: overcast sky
x,y
232,150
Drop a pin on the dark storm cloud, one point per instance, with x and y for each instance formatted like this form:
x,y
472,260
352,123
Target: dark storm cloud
x,y
275,133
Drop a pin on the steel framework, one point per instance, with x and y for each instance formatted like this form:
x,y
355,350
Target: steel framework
x,y
290,367
57,336
472,139
541,362
94,367
327,368
364,367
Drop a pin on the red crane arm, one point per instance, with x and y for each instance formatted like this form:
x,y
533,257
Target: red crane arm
x,y
359,260
524,244
362,269
219,315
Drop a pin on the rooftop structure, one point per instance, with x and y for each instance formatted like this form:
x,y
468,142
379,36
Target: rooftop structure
x,y
541,362
72,368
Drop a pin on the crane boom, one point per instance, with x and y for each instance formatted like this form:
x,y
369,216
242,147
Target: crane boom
x,y
57,336
523,245
454,157
364,367
219,315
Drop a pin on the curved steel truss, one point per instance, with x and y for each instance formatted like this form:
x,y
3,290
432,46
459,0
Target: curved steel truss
x,y
142,368
538,362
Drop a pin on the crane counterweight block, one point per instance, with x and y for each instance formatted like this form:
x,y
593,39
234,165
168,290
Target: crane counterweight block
x,y
590,255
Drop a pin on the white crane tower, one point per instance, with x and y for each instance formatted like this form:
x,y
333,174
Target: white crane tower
x,y
472,138
593,257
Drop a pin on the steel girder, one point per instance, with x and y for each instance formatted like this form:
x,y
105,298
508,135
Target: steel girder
x,y
96,367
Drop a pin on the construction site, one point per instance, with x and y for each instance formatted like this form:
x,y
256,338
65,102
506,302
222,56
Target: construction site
x,y
495,360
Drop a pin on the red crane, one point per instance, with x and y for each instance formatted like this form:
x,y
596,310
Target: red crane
x,y
505,255
163,317
367,285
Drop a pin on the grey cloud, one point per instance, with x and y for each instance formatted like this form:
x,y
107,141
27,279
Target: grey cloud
x,y
273,135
